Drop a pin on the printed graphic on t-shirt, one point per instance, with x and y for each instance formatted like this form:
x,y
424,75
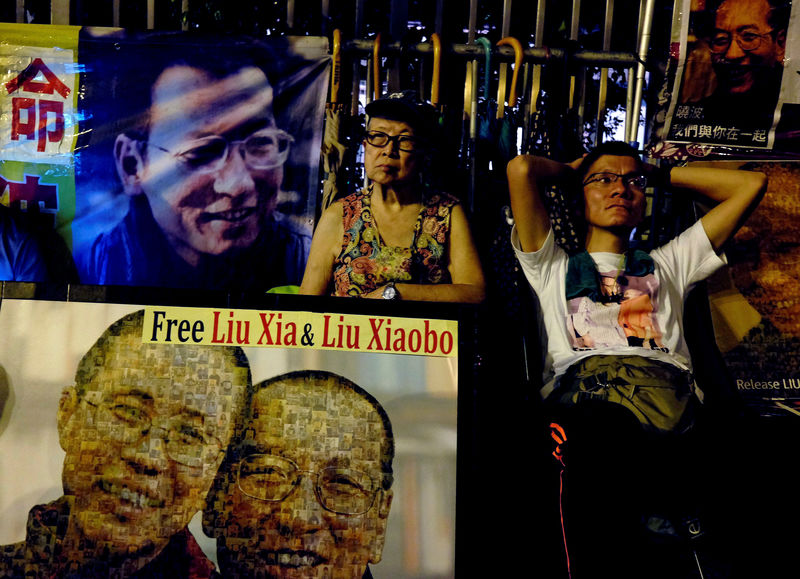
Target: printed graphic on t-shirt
x,y
623,314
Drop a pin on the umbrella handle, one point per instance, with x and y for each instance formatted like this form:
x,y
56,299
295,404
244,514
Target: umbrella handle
x,y
437,68
515,44
376,67
336,72
487,49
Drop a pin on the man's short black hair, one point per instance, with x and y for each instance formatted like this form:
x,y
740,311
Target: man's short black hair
x,y
321,376
97,358
778,17
614,148
145,57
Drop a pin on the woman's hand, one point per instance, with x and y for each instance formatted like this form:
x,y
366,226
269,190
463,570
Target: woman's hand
x,y
377,293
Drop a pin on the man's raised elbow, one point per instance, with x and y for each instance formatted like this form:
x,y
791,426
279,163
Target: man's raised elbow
x,y
520,168
760,183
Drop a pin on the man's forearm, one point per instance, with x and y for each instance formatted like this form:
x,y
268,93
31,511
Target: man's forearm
x,y
527,178
718,184
736,193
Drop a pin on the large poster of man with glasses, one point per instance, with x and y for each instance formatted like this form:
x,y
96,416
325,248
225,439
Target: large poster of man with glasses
x,y
197,161
124,458
737,74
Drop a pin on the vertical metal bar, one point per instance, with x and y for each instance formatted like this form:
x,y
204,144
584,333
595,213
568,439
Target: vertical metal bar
x,y
531,103
538,42
184,15
21,16
290,14
506,29
439,21
601,99
356,87
644,45
577,90
115,13
398,19
629,120
573,35
398,26
59,12
473,23
325,17
151,14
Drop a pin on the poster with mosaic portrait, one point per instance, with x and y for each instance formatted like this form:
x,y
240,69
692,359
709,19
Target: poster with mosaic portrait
x,y
183,441
755,302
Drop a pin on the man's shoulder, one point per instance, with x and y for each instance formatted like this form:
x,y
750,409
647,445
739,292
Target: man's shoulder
x,y
686,239
46,520
123,253
109,247
13,559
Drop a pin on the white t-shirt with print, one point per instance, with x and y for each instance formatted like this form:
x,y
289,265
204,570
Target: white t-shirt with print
x,y
646,319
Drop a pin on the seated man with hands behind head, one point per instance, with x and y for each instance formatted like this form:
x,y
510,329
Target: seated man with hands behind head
x,y
617,372
610,182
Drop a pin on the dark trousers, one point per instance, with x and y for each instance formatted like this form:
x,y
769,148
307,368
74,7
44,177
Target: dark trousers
x,y
617,479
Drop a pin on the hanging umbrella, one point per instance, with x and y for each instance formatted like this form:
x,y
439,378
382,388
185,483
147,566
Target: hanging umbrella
x,y
486,108
436,41
376,68
446,154
333,150
506,117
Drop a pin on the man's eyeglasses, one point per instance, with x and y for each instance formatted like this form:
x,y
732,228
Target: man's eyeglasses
x,y
404,143
636,181
747,41
271,478
186,443
265,149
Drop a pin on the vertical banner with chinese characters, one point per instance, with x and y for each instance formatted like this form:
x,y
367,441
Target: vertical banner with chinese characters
x,y
755,303
733,84
39,122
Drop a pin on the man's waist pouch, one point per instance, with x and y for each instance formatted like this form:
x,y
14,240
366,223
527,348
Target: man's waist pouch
x,y
659,394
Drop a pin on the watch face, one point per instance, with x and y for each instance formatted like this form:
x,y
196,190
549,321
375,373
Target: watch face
x,y
390,292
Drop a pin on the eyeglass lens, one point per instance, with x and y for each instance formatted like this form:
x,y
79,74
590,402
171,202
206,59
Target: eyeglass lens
x,y
747,41
635,180
341,490
186,441
263,150
380,139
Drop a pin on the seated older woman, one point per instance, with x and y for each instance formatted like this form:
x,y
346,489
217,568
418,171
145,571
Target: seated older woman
x,y
395,239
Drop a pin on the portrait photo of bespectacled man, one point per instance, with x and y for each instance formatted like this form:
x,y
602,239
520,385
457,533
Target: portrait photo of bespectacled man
x,y
732,77
143,428
209,184
307,490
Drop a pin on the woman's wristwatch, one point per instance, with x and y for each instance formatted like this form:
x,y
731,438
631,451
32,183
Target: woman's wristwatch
x,y
390,292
